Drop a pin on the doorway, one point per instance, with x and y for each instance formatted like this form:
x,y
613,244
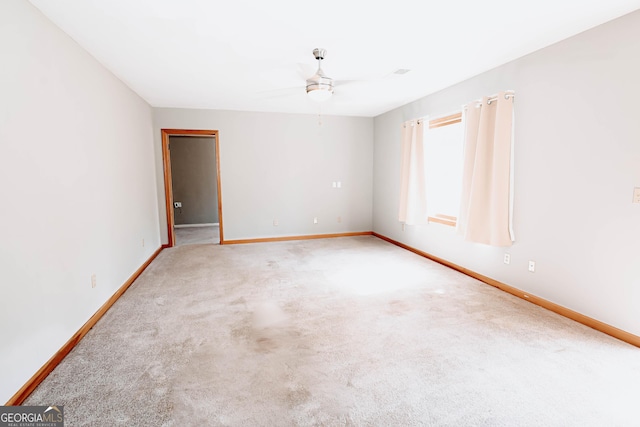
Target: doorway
x,y
194,177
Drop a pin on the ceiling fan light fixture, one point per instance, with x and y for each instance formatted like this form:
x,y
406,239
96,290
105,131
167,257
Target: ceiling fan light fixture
x,y
319,91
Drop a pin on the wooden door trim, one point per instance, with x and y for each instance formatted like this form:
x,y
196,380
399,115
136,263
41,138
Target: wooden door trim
x,y
168,189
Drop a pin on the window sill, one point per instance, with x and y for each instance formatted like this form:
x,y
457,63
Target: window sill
x,y
443,219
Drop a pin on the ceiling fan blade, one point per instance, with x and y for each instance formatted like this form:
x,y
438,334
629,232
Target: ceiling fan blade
x,y
339,83
305,70
280,93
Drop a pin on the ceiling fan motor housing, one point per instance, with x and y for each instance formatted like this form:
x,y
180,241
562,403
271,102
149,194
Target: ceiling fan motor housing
x,y
319,83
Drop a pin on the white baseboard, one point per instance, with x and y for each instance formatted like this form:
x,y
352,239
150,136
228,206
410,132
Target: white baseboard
x,y
195,225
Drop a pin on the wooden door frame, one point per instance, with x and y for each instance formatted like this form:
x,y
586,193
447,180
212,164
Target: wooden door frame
x,y
168,183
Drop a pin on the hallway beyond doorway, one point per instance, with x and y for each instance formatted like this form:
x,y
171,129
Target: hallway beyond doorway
x,y
207,234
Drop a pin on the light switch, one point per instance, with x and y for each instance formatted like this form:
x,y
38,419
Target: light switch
x,y
636,195
177,204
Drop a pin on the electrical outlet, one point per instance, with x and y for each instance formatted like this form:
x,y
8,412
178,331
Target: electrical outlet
x,y
93,281
315,220
143,242
177,204
507,258
339,219
532,266
275,222
636,195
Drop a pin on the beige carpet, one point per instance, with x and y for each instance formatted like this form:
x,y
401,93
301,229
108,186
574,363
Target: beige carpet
x,y
209,234
336,332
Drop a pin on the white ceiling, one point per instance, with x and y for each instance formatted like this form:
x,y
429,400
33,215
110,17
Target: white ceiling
x,y
255,55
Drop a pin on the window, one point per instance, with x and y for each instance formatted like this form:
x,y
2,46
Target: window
x,y
443,157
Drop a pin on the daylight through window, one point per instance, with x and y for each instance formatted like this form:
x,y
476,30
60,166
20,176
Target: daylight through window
x,y
443,157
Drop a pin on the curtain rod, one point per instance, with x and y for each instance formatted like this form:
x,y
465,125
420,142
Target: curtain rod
x,y
508,94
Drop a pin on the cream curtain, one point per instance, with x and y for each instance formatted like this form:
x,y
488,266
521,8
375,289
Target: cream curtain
x,y
413,204
486,202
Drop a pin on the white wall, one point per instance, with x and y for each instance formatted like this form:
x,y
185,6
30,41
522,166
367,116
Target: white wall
x,y
577,159
78,189
281,166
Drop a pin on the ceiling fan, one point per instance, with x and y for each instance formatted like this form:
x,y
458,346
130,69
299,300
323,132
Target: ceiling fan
x,y
319,86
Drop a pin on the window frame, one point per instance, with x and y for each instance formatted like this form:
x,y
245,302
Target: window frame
x,y
448,120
